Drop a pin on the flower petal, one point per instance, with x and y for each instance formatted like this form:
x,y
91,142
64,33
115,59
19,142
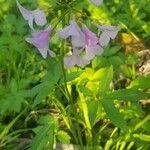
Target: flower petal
x,y
112,31
73,31
30,22
64,32
43,52
51,53
29,40
113,34
82,62
90,37
75,59
36,15
92,51
78,41
97,2
104,39
25,13
40,39
69,61
39,17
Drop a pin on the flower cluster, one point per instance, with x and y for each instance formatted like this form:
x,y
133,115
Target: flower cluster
x,y
85,43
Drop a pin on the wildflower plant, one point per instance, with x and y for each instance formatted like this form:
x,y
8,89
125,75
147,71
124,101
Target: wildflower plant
x,y
82,39
79,47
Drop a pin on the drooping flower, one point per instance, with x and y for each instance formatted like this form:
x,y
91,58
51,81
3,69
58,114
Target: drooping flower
x,y
84,42
97,2
40,39
35,15
108,32
75,59
74,32
92,48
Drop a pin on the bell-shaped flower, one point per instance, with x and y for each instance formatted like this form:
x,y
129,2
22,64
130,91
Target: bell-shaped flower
x,y
36,16
74,32
108,32
40,39
92,48
75,59
96,2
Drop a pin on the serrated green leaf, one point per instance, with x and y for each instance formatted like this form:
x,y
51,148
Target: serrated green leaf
x,y
11,103
40,141
44,138
63,137
113,113
44,92
127,94
46,120
47,84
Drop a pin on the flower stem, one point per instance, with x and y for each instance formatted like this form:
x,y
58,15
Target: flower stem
x,y
75,126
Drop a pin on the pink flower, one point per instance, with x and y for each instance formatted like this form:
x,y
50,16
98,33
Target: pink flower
x,y
92,48
40,39
36,15
85,45
97,2
108,32
74,32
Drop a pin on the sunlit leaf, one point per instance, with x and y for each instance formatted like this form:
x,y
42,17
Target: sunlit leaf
x,y
142,137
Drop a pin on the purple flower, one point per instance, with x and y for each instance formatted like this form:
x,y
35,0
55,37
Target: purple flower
x,y
92,48
97,2
36,15
74,32
108,32
40,39
75,59
85,45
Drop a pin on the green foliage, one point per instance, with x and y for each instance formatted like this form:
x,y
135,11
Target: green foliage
x,y
63,137
127,94
114,114
44,134
47,84
13,97
140,82
90,107
106,76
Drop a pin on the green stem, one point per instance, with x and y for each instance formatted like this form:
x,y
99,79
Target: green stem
x,y
75,126
76,134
